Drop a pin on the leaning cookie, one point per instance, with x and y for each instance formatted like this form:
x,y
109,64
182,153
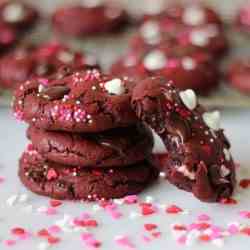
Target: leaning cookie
x,y
117,147
75,100
198,159
238,75
61,182
90,18
187,67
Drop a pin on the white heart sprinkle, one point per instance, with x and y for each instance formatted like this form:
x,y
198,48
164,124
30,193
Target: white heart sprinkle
x,y
115,87
212,119
155,60
193,15
189,98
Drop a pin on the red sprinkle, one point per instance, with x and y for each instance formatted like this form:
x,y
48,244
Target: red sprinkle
x,y
228,201
55,203
147,209
180,228
52,174
18,231
245,183
91,223
53,240
150,227
156,234
43,233
204,237
173,209
246,231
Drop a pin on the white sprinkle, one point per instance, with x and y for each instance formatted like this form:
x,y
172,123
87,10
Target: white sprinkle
x,y
193,15
149,199
189,99
115,86
227,154
43,246
12,200
13,12
212,119
40,88
118,201
92,3
134,215
224,171
159,146
151,32
155,60
188,63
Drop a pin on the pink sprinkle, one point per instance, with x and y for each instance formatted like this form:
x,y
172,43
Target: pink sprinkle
x,y
131,199
9,243
86,236
43,81
124,241
203,217
112,210
90,240
2,179
245,214
233,229
85,216
54,229
182,239
51,211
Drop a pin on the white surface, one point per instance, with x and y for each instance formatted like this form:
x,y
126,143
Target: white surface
x,y
12,143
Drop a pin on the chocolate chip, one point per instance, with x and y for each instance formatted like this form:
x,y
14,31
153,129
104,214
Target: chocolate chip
x,y
54,92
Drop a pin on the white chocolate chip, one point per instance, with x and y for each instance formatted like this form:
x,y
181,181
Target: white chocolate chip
x,y
194,15
188,63
189,98
151,32
155,60
212,119
224,171
159,146
227,154
115,87
183,169
13,12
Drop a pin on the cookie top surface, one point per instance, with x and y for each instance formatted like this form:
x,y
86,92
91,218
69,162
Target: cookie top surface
x,y
239,75
188,15
75,100
80,20
27,61
61,182
187,67
196,145
114,148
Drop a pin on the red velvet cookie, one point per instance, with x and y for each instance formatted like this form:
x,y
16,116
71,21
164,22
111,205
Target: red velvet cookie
x,y
117,147
61,182
208,37
186,67
25,62
90,18
239,75
75,100
198,159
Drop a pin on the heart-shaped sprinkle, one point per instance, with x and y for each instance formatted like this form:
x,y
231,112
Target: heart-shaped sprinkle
x,y
189,98
212,119
115,87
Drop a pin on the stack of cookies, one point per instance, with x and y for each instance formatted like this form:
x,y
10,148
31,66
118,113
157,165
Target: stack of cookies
x,y
86,143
